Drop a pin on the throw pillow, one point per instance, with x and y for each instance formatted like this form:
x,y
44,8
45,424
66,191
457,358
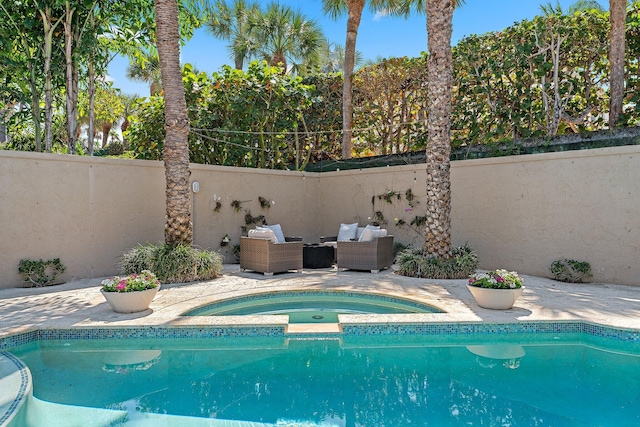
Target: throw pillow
x,y
347,232
277,230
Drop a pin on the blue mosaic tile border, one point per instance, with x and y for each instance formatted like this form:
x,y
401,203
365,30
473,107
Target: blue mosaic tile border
x,y
479,329
287,294
458,329
24,384
140,333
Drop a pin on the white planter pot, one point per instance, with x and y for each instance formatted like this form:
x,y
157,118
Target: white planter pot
x,y
130,302
495,299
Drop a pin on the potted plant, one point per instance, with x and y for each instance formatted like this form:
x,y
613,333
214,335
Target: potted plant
x,y
496,289
132,293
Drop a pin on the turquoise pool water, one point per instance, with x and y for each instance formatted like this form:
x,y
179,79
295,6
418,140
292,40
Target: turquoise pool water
x,y
555,379
313,306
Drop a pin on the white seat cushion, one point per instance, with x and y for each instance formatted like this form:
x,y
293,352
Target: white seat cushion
x,y
262,233
347,232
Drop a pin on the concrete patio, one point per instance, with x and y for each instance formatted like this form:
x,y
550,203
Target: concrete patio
x,y
80,304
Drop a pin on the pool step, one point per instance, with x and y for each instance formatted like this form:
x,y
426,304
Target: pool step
x,y
313,328
15,387
42,413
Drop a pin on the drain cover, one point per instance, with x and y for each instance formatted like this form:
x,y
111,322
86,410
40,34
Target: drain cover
x,y
317,317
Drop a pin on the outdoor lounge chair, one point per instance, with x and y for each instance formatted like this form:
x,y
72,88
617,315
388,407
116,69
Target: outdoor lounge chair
x,y
374,256
263,255
362,248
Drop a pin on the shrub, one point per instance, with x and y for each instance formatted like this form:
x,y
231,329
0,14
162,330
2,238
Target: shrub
x,y
40,273
415,263
570,270
173,264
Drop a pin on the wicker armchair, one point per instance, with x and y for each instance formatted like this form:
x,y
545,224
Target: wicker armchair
x,y
263,256
374,256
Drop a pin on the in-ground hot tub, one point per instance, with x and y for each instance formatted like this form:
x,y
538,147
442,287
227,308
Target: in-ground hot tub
x,y
313,306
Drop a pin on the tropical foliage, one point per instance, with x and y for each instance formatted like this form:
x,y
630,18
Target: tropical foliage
x,y
417,263
52,51
501,90
280,118
173,264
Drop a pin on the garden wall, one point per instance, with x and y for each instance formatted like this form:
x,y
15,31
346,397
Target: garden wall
x,y
520,212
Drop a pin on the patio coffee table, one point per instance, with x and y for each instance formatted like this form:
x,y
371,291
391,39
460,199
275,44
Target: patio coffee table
x,y
317,255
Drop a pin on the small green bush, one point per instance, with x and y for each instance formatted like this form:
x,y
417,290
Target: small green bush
x,y
570,270
398,248
40,273
414,263
173,264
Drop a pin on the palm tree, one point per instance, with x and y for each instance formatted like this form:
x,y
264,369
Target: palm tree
x,y
353,8
332,57
617,17
147,70
287,37
129,103
584,5
178,228
437,241
231,22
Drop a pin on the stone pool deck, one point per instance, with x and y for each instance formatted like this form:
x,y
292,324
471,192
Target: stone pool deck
x,y
80,304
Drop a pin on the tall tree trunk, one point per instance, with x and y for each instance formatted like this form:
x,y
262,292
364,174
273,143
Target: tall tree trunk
x,y
71,73
353,23
49,28
617,18
106,128
178,228
35,107
92,106
439,88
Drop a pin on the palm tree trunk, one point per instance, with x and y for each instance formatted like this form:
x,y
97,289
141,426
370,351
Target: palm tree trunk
x,y
106,129
353,22
439,87
178,228
617,17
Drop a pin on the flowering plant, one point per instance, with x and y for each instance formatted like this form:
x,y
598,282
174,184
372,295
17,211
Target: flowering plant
x,y
498,279
131,283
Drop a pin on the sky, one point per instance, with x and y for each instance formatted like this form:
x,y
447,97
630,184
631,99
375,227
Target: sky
x,y
378,36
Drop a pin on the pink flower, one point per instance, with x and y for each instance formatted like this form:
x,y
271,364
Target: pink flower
x,y
121,286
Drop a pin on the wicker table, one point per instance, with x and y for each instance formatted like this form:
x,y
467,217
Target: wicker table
x,y
317,255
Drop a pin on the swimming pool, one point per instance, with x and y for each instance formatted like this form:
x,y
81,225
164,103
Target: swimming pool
x,y
313,306
544,374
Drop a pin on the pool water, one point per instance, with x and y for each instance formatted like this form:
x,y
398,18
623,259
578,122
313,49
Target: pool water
x,y
313,306
348,381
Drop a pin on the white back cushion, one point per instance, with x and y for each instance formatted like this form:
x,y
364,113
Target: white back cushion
x,y
347,232
367,237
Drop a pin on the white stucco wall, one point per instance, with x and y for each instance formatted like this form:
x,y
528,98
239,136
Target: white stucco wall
x,y
520,212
